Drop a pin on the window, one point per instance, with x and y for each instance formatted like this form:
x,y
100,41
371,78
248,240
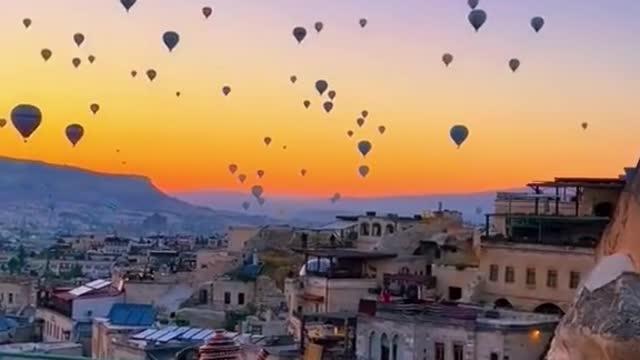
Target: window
x,y
376,229
390,229
364,229
458,353
574,280
455,293
394,348
227,298
493,272
240,298
384,348
509,275
531,277
552,279
494,356
10,298
439,351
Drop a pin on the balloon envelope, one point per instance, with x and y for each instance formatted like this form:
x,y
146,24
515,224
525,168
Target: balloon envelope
x,y
78,38
257,191
74,133
364,147
363,22
76,62
306,103
26,22
382,129
360,122
26,119
226,90
91,59
3,123
46,54
364,113
260,173
537,23
94,108
233,168
473,3
477,18
459,134
134,73
293,79
447,59
319,26
350,133
151,74
328,106
331,94
242,178
171,39
514,64
303,172
207,11
267,140
128,4
585,125
299,33
321,86
363,170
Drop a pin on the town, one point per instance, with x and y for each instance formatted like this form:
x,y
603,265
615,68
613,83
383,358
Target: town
x,y
373,286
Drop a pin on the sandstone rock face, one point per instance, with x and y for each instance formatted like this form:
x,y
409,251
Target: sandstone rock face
x,y
604,321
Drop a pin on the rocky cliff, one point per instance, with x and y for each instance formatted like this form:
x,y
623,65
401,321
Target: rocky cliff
x,y
604,321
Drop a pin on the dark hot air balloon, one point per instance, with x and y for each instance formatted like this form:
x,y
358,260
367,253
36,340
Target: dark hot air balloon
x,y
128,4
306,103
74,133
322,86
473,4
267,141
364,113
226,90
246,205
328,106
260,174
134,73
233,168
331,94
364,147
363,170
76,62
514,64
257,191
537,23
26,119
459,134
299,33
585,125
318,26
293,79
363,22
207,11
447,59
360,122
171,39
91,59
382,129
151,74
477,18
78,38
242,178
94,108
26,22
350,133
46,54
3,123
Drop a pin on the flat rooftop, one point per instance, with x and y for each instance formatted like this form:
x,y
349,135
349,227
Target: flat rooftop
x,y
345,253
567,182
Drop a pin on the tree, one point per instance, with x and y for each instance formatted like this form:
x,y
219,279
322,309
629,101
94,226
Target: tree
x,y
13,265
22,256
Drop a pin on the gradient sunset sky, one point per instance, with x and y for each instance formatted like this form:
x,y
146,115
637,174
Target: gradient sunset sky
x,y
582,67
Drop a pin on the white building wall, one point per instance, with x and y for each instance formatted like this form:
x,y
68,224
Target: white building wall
x,y
87,309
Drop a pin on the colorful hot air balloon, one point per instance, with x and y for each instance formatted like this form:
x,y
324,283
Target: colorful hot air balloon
x,y
26,22
242,178
3,123
46,54
473,3
267,140
74,133
360,122
207,11
76,62
233,168
94,108
257,191
293,79
171,39
364,147
321,86
226,90
26,119
78,38
537,23
318,26
477,18
363,170
382,129
299,33
328,106
128,4
363,22
306,103
447,59
152,74
459,134
514,64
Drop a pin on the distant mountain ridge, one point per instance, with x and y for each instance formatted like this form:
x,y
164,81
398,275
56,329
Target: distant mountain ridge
x,y
61,197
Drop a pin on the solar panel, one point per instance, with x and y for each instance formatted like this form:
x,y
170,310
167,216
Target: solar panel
x,y
160,333
94,283
189,334
80,290
174,334
144,334
202,335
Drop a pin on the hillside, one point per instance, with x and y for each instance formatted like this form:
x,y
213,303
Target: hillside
x,y
44,197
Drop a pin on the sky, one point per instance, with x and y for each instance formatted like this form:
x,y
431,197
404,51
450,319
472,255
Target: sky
x,y
582,67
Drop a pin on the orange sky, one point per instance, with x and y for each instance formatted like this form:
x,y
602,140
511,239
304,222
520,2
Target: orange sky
x,y
524,126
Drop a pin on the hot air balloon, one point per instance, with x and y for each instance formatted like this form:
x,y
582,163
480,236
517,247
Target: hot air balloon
x,y
447,59
226,90
364,113
514,64
477,18
303,172
382,129
350,133
151,74
363,22
473,3
207,11
360,122
257,191
94,108
585,125
178,93
134,73
537,23
171,39
328,106
128,4
46,54
26,22
3,123
233,168
284,147
267,141
459,134
261,201
76,62
321,86
26,119
91,59
299,33
246,205
293,79
331,94
335,197
78,38
364,147
318,25
74,133
306,103
363,170
242,178
260,174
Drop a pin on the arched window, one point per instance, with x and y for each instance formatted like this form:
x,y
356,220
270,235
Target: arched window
x,y
503,303
390,229
373,346
549,308
385,350
395,345
364,229
376,229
